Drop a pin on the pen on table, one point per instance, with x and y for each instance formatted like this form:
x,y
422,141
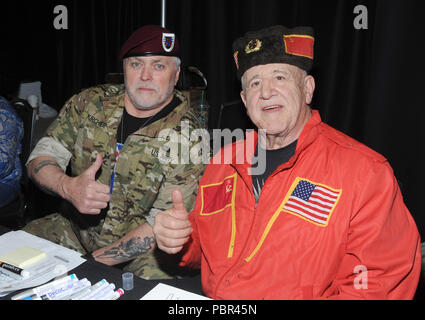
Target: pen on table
x,y
103,292
40,290
24,294
115,295
91,290
7,266
78,288
34,297
55,285
49,290
96,290
10,274
79,294
67,289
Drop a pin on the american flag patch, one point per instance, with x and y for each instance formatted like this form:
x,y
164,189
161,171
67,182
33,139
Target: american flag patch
x,y
312,201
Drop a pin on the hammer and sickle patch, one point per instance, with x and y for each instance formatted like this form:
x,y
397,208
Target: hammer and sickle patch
x,y
253,46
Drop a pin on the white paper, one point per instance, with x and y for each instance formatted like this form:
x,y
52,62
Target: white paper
x,y
58,261
166,292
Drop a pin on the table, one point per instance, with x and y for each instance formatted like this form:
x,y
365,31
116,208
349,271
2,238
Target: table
x,y
95,271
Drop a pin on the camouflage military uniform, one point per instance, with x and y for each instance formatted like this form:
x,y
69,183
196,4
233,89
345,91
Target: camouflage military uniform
x,y
86,126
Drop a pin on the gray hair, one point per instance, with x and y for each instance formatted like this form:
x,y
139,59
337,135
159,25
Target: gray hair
x,y
177,62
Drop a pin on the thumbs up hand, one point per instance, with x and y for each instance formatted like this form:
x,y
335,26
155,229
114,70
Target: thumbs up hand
x,y
85,193
178,210
172,227
91,171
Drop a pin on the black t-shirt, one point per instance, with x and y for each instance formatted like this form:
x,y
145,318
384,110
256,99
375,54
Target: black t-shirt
x,y
274,158
132,124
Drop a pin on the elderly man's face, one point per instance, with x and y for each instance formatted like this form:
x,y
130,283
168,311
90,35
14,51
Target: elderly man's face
x,y
276,96
150,81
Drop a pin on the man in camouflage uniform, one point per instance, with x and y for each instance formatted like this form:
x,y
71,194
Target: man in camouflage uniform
x,y
113,195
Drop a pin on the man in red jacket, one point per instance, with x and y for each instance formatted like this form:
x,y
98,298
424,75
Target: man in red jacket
x,y
324,220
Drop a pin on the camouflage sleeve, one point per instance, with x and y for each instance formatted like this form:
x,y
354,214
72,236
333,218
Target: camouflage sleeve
x,y
49,147
64,128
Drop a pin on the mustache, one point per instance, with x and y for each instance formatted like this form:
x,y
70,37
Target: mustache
x,y
145,86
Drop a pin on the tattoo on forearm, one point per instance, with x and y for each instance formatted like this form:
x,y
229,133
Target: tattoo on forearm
x,y
130,249
45,163
40,166
45,189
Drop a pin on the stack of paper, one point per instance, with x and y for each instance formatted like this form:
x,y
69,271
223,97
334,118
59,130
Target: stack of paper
x,y
42,259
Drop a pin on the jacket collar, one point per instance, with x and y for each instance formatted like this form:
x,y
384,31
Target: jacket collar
x,y
307,137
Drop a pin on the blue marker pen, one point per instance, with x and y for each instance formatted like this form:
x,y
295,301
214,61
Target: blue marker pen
x,y
35,297
67,289
41,290
55,286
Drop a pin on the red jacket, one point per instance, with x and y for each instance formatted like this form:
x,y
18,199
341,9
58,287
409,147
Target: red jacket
x,y
352,237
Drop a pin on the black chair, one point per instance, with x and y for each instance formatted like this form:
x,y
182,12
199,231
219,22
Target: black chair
x,y
114,78
13,215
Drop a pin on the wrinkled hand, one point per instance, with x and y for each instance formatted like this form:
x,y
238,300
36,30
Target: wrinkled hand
x,y
172,227
85,193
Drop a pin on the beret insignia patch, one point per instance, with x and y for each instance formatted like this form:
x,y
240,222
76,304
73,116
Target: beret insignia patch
x,y
253,46
168,41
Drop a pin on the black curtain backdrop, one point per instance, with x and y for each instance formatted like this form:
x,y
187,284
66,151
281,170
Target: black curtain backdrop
x,y
369,83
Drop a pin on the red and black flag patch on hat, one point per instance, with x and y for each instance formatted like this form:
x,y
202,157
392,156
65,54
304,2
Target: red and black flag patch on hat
x,y
299,45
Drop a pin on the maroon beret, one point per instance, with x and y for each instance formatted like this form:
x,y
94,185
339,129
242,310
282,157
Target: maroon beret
x,y
150,41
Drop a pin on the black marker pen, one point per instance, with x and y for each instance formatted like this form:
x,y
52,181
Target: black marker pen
x,y
16,270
